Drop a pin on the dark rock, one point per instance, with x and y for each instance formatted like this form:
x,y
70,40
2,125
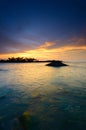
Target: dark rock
x,y
28,121
56,64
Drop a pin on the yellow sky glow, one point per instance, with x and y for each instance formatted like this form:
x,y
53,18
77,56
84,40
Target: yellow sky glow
x,y
62,53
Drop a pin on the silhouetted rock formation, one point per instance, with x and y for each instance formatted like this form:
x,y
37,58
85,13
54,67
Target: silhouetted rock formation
x,y
56,64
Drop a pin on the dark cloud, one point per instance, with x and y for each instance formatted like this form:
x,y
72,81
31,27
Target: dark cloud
x,y
77,42
8,45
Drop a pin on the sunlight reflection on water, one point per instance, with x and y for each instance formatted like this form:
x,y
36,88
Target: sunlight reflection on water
x,y
55,96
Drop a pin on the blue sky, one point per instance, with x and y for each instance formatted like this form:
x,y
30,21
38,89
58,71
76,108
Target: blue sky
x,y
28,24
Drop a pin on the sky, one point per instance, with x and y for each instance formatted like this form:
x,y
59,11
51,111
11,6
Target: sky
x,y
43,29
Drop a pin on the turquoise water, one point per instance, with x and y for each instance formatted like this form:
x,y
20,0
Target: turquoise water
x,y
54,97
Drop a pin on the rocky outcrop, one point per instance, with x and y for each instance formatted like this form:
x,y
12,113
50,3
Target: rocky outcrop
x,y
56,64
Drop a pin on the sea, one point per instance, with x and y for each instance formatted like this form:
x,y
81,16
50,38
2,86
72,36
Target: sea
x,y
34,96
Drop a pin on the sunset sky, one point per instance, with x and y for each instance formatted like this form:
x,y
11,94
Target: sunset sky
x,y
43,29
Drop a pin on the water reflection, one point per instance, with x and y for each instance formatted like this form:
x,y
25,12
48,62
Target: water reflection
x,y
52,98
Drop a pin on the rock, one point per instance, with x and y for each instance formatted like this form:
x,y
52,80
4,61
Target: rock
x,y
28,121
56,64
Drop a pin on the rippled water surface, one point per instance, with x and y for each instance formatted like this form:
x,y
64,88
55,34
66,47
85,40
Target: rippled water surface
x,y
53,98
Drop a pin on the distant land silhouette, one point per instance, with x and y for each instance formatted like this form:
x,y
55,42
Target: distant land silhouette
x,y
54,63
18,60
21,60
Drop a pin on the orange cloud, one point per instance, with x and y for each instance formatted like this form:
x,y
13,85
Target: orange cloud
x,y
63,45
47,45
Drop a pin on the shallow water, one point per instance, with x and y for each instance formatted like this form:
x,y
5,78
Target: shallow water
x,y
55,97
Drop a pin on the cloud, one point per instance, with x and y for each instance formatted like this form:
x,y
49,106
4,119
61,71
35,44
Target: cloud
x,y
10,45
72,43
47,45
77,42
30,42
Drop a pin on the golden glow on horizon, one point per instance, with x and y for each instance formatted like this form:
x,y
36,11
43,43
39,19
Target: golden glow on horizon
x,y
42,53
